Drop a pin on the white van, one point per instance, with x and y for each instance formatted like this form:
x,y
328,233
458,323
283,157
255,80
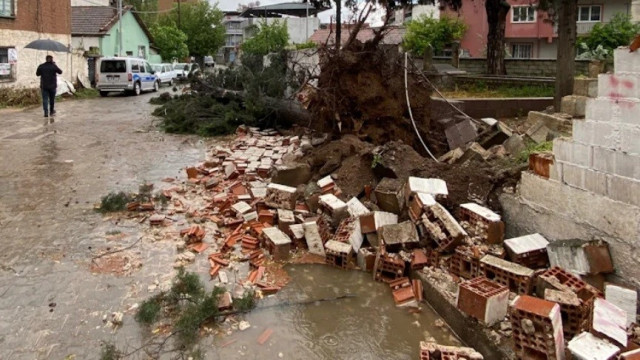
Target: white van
x,y
131,75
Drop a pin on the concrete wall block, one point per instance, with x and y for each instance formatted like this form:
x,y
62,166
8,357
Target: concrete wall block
x,y
628,111
630,139
573,175
604,134
604,160
599,109
596,182
616,163
618,86
624,189
625,62
555,171
568,151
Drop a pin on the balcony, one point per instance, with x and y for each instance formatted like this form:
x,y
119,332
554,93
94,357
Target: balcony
x,y
583,28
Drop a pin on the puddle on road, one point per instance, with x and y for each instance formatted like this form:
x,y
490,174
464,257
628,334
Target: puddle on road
x,y
365,326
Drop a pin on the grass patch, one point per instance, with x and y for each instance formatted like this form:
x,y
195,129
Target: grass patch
x,y
481,89
187,306
149,310
113,202
246,302
110,352
85,93
19,98
533,147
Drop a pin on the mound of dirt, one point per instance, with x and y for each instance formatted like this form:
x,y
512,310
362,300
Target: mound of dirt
x,y
361,91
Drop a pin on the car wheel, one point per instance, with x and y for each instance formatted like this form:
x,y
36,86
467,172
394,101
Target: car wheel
x,y
171,82
136,89
156,86
104,93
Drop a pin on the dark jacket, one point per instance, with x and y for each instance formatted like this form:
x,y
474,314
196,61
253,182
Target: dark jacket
x,y
47,72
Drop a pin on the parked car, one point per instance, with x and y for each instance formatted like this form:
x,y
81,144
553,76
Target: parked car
x,y
180,71
131,75
165,73
186,71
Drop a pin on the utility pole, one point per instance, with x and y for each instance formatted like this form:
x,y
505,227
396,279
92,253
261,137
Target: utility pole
x,y
307,23
120,27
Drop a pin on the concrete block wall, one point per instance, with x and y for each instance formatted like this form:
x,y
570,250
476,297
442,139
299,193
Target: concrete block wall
x,y
604,154
594,187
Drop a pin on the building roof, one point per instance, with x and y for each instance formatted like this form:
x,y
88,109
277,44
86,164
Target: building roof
x,y
277,10
98,20
327,36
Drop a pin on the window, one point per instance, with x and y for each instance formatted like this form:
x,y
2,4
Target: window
x,y
521,51
6,66
113,66
142,51
591,13
521,14
147,68
135,67
7,8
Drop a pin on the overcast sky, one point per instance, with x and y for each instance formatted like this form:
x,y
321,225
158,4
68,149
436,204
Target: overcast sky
x,y
325,16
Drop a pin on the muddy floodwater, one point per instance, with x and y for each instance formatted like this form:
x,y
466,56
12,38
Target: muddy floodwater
x,y
52,306
365,326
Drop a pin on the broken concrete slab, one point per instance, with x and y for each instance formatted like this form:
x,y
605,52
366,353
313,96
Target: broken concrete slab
x,y
539,132
314,240
292,174
586,346
574,105
371,222
581,256
399,236
609,321
333,207
514,144
356,208
349,232
461,133
452,156
434,187
624,298
437,224
473,152
481,221
389,195
433,351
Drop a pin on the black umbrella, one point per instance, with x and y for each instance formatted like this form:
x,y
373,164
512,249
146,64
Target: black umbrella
x,y
47,45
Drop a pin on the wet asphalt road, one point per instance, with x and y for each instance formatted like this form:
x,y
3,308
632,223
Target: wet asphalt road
x,y
52,306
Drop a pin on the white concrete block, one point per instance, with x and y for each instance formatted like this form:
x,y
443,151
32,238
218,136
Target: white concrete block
x,y
625,299
573,175
555,171
604,134
568,151
623,189
628,111
604,160
584,178
586,346
596,182
599,109
630,139
618,86
625,62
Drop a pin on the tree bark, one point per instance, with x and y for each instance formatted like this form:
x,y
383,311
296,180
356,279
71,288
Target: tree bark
x,y
338,24
567,34
497,11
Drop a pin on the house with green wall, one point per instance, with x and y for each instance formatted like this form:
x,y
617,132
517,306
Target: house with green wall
x,y
95,32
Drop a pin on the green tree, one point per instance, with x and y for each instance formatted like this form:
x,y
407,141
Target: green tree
x,y
202,24
618,32
171,41
270,38
438,33
146,9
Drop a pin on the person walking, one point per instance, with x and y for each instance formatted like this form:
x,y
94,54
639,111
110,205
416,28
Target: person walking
x,y
48,84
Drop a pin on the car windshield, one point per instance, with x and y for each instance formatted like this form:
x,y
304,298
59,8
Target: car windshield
x,y
113,66
179,66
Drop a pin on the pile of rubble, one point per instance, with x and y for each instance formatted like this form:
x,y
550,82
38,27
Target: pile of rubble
x,y
243,222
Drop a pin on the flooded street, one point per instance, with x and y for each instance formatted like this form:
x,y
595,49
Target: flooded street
x,y
52,306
